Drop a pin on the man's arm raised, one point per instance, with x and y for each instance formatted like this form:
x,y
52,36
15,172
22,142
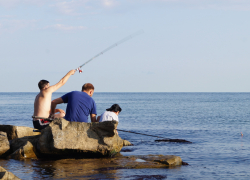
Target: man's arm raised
x,y
62,81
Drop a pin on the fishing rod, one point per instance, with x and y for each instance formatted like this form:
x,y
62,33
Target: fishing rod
x,y
110,47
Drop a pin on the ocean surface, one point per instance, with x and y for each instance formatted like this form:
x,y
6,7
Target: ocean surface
x,y
212,121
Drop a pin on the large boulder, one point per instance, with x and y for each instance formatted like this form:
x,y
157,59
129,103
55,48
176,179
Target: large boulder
x,y
4,143
63,137
17,131
5,175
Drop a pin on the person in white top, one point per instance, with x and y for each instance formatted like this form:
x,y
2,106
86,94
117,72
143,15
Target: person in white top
x,y
111,114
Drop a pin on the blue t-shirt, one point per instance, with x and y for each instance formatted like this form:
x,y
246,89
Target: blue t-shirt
x,y
79,106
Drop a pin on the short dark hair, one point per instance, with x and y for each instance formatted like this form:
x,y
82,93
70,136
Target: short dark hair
x,y
115,108
87,87
42,84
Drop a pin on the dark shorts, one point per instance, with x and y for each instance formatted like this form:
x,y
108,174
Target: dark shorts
x,y
40,123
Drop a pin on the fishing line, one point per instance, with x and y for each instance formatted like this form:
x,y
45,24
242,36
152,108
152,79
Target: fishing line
x,y
157,140
139,133
110,47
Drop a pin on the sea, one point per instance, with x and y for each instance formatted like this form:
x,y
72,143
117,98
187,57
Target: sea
x,y
217,124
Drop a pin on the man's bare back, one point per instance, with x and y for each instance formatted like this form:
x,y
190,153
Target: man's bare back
x,y
43,99
42,104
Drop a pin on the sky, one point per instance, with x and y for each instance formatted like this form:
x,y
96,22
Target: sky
x,y
187,45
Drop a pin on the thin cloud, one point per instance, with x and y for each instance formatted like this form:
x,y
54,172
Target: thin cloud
x,y
6,16
68,8
13,25
82,7
63,27
110,27
207,4
79,7
109,3
14,3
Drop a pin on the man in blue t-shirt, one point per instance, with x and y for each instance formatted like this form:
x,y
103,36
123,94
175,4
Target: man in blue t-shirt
x,y
80,104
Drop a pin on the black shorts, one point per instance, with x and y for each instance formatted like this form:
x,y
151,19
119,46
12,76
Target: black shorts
x,y
40,124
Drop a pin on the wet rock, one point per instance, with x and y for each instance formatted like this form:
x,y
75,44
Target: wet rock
x,y
20,142
127,143
173,140
152,161
142,177
169,160
184,163
71,168
17,131
23,148
127,150
4,143
63,137
5,175
25,152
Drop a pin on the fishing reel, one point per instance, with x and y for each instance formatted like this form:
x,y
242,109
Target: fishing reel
x,y
78,69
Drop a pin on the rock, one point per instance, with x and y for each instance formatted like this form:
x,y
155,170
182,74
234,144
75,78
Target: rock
x,y
17,155
63,137
5,175
23,148
4,143
86,167
17,131
169,160
127,143
173,140
20,142
184,163
149,161
25,152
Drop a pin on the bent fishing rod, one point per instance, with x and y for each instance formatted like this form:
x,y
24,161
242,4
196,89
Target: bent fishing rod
x,y
110,47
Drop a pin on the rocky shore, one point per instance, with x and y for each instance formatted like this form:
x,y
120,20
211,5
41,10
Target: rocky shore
x,y
68,141
5,175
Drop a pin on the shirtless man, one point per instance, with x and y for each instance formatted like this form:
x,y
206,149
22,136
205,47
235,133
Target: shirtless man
x,y
43,101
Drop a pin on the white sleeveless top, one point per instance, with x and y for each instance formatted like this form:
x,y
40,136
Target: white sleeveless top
x,y
109,116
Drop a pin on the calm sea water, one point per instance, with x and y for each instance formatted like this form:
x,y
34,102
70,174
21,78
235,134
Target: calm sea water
x,y
212,121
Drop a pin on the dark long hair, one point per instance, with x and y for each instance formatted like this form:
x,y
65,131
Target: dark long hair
x,y
115,108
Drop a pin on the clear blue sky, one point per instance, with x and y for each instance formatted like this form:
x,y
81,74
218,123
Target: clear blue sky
x,y
187,45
